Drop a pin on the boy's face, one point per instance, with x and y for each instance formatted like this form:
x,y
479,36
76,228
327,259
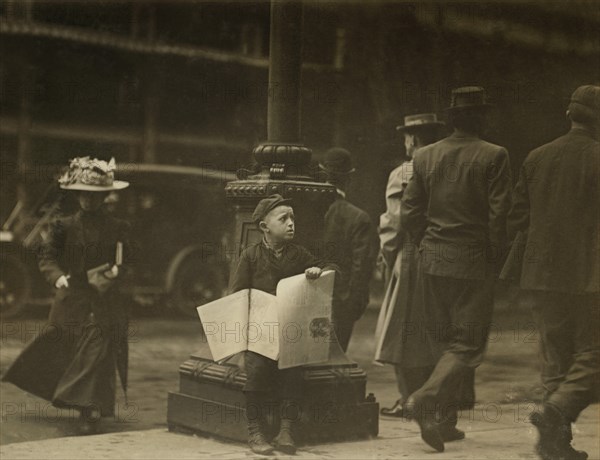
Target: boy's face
x,y
279,224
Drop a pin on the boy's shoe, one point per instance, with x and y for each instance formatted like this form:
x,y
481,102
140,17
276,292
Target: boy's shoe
x,y
284,441
257,440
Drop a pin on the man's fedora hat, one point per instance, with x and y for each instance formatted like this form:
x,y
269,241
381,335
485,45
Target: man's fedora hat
x,y
337,161
468,98
585,103
420,121
266,205
91,175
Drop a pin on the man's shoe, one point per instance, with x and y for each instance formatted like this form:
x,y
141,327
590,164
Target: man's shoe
x,y
88,422
87,428
426,420
554,442
563,444
450,434
394,411
284,441
546,444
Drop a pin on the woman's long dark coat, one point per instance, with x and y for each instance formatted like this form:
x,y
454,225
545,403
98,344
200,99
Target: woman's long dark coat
x,y
72,361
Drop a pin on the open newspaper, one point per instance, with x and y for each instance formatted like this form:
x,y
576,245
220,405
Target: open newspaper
x,y
292,327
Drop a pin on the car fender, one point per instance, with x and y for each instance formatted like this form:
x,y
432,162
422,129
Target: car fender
x,y
177,261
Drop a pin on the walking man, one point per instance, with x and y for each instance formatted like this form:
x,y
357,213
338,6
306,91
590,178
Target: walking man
x,y
555,207
456,205
351,243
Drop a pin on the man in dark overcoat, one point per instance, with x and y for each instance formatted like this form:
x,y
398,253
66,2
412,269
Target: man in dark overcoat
x,y
556,208
456,204
351,243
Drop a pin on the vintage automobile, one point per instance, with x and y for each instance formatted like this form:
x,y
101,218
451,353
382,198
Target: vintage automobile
x,y
181,227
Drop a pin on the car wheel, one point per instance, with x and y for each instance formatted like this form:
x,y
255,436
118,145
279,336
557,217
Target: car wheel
x,y
15,286
197,284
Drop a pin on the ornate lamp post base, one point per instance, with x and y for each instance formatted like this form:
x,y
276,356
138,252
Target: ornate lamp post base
x,y
335,406
210,398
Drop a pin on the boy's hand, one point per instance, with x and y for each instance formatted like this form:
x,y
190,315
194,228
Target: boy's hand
x,y
313,273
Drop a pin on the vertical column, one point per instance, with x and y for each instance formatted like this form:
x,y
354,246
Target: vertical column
x,y
285,66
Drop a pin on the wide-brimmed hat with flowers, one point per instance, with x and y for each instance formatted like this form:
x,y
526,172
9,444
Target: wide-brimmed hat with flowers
x,y
91,175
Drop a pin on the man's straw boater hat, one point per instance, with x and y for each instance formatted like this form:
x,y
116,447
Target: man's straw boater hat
x,y
468,98
91,175
420,121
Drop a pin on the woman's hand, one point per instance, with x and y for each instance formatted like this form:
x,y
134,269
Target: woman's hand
x,y
112,273
62,282
313,273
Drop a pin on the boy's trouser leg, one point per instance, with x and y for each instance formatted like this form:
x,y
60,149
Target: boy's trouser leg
x,y
291,382
259,372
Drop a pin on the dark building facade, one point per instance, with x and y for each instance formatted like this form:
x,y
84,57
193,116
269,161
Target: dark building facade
x,y
185,82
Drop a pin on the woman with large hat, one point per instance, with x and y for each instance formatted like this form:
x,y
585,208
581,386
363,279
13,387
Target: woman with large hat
x,y
73,361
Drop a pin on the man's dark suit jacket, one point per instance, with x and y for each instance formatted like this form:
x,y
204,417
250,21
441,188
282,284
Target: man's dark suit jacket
x,y
351,243
557,204
456,203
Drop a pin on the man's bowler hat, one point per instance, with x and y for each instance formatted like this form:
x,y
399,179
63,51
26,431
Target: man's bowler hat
x,y
337,161
266,205
420,121
468,98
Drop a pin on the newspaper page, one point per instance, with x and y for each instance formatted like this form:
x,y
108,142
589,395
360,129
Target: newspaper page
x,y
261,330
304,308
223,321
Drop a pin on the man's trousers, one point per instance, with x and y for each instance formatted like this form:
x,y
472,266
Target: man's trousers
x,y
459,316
568,326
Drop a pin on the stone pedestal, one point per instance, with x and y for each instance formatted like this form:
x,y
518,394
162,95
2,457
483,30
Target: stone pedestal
x,y
335,406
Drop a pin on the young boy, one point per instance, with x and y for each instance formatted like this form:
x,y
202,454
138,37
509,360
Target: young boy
x,y
261,266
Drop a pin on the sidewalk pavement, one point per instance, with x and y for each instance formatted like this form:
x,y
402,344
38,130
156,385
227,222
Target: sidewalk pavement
x,y
493,432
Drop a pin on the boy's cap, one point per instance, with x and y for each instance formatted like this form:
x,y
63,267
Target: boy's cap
x,y
266,205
